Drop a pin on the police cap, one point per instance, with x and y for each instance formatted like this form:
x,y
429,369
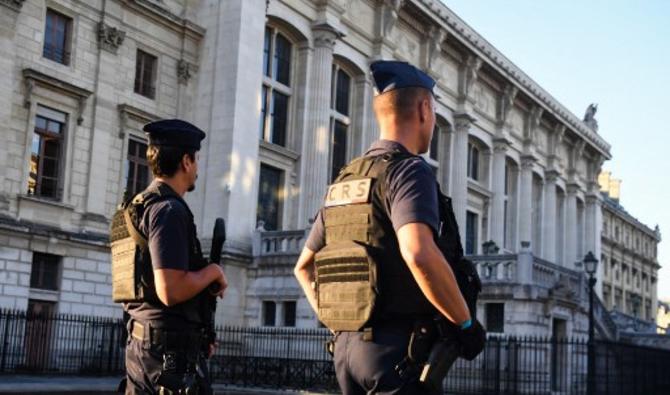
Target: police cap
x,y
174,132
390,75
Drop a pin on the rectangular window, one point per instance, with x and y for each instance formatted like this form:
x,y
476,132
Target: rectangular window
x,y
279,118
269,197
471,233
269,313
289,313
473,162
46,153
495,317
57,37
339,145
45,271
145,74
138,169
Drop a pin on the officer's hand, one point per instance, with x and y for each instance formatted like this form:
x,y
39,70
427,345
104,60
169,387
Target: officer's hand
x,y
212,349
472,340
220,280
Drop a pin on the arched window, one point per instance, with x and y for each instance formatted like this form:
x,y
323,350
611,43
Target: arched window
x,y
340,119
276,91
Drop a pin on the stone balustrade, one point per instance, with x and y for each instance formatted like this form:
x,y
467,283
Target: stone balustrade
x,y
278,242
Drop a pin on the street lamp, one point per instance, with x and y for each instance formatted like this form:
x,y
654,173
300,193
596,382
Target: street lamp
x,y
590,266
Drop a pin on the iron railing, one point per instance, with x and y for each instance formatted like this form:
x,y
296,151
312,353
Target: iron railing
x,y
294,358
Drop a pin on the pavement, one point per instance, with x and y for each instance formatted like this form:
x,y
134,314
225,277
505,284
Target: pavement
x,y
57,385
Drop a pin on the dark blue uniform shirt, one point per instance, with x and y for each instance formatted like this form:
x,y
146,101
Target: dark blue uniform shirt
x,y
411,197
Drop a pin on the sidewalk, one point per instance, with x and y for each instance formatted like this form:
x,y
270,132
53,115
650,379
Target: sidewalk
x,y
56,385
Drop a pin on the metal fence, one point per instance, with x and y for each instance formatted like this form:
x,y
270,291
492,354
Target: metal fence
x,y
291,358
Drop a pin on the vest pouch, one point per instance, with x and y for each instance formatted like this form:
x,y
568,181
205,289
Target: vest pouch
x,y
346,285
125,251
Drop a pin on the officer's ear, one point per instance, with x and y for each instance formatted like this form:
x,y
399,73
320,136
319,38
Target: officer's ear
x,y
186,161
425,108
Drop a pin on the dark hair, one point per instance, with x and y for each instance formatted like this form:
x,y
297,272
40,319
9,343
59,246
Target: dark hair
x,y
401,101
164,160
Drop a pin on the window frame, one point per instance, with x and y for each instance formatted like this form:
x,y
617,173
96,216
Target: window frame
x,y
54,274
471,163
68,39
132,138
477,229
280,195
337,117
153,85
62,137
271,84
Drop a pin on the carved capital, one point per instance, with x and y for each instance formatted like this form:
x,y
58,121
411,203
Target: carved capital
x,y
551,176
527,161
185,71
532,123
463,121
468,75
501,145
506,103
110,38
14,5
325,35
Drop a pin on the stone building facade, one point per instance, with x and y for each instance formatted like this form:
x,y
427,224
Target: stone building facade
x,y
282,88
629,258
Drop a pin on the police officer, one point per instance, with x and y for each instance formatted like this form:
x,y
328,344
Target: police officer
x,y
371,268
170,331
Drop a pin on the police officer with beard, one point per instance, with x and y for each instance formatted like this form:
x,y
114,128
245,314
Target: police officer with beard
x,y
159,273
371,267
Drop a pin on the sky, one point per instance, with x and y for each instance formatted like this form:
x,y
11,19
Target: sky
x,y
615,53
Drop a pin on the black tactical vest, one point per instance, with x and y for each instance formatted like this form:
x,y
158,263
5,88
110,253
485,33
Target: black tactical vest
x,y
132,279
361,277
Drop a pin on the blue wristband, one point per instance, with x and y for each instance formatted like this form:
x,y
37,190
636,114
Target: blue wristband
x,y
466,324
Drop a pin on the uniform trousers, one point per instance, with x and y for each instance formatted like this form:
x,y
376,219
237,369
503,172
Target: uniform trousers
x,y
367,367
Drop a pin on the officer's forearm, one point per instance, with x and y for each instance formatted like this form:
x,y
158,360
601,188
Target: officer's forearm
x,y
304,273
176,286
432,272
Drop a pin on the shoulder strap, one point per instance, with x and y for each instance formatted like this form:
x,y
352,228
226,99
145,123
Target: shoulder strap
x,y
140,240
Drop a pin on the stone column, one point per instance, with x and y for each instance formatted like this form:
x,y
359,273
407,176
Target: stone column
x,y
571,226
526,199
316,142
459,169
550,220
9,12
498,184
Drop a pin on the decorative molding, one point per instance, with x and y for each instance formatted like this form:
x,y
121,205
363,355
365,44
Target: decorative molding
x,y
468,75
110,38
506,103
33,77
126,112
437,10
14,5
527,161
185,71
161,15
534,118
390,12
436,36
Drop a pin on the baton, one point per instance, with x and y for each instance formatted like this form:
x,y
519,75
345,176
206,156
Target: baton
x,y
218,238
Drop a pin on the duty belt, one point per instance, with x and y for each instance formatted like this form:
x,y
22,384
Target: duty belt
x,y
174,339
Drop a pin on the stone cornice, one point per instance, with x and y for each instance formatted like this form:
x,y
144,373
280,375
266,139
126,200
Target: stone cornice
x,y
618,211
460,30
14,5
33,77
166,18
127,111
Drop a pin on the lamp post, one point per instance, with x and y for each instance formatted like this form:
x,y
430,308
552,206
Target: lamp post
x,y
590,266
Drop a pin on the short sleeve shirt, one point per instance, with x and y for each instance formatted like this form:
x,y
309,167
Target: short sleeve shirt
x,y
411,194
166,226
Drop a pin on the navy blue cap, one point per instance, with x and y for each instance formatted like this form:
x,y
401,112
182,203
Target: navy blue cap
x,y
174,132
388,75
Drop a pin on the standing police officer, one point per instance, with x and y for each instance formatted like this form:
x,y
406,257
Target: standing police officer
x,y
159,273
371,267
